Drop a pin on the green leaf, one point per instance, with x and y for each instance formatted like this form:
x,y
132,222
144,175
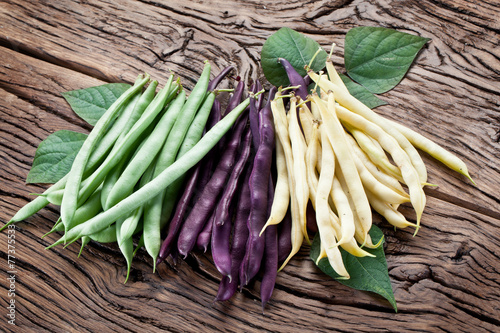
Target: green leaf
x,y
361,93
91,103
367,273
294,47
378,58
54,156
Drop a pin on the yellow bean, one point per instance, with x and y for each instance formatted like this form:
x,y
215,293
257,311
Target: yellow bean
x,y
408,172
327,235
281,199
299,165
381,176
279,116
375,186
312,161
439,153
337,138
345,99
322,253
315,111
326,231
344,211
312,178
388,211
306,122
375,153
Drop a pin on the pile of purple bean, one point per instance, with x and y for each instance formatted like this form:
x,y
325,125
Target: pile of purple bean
x,y
227,198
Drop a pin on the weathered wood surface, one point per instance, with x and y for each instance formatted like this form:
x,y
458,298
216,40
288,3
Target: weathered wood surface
x,y
446,279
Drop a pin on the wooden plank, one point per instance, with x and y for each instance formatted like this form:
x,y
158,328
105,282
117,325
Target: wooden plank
x,y
445,279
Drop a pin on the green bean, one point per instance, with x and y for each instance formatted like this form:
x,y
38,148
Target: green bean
x,y
141,105
140,244
126,246
111,179
106,235
102,148
129,226
133,112
56,225
125,145
70,198
85,241
143,158
115,131
154,187
110,234
35,205
185,134
155,213
100,151
53,197
86,211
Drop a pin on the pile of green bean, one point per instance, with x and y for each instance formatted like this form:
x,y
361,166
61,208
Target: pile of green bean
x,y
126,177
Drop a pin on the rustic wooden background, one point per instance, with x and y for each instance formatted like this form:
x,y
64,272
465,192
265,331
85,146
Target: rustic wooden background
x,y
446,279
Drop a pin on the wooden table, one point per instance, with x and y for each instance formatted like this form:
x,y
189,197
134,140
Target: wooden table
x,y
445,279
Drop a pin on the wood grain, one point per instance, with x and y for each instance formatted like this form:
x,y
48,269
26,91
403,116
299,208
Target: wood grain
x,y
445,279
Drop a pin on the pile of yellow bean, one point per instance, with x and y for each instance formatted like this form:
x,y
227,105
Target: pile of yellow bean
x,y
335,152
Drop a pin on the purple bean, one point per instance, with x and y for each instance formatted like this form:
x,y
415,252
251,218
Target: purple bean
x,y
259,185
174,255
207,163
285,238
199,176
253,117
260,98
235,98
254,114
220,233
270,260
307,80
216,80
180,210
270,263
255,107
295,79
211,192
215,115
221,253
227,286
222,210
205,235
311,218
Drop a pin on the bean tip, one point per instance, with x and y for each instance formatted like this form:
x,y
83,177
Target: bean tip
x,y
6,225
417,227
466,174
159,260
